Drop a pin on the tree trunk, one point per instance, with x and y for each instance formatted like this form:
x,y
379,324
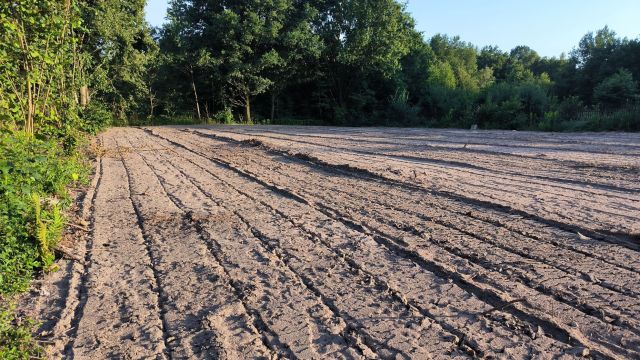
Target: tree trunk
x,y
29,125
84,96
247,108
273,105
195,95
152,104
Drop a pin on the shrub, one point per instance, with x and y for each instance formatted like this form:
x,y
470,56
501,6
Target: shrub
x,y
95,117
16,341
33,177
616,90
224,117
400,111
570,108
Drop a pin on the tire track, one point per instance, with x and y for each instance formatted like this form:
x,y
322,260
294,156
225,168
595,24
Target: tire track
x,y
442,271
402,298
542,316
629,241
399,203
557,212
615,256
116,317
219,327
219,245
393,153
65,329
571,296
371,337
499,141
157,283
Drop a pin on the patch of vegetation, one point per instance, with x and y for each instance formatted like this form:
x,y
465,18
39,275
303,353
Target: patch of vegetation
x,y
292,67
16,339
34,175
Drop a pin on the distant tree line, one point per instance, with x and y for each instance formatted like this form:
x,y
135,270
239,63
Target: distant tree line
x,y
364,63
85,63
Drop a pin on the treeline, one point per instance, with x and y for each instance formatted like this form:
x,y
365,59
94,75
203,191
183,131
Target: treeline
x,y
363,63
82,64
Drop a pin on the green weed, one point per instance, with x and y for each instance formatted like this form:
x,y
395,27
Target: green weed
x,y
34,175
16,339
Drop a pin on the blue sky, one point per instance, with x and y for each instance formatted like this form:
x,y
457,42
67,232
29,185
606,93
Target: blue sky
x,y
550,27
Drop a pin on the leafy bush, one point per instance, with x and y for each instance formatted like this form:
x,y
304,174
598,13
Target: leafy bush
x,y
33,177
616,90
95,117
400,111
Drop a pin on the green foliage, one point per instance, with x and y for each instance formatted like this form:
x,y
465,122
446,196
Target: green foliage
x,y
33,177
224,117
39,64
512,106
16,341
622,119
616,90
121,55
400,111
570,108
363,63
441,74
95,117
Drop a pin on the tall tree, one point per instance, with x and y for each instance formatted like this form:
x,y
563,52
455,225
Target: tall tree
x,y
616,90
119,41
365,42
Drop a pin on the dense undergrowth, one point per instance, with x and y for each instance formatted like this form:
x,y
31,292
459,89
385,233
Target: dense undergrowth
x,y
34,176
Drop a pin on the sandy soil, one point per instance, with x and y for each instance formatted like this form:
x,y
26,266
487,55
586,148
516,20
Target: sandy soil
x,y
309,243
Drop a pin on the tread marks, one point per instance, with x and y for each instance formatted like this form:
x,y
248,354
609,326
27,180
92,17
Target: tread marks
x,y
568,331
489,202
196,328
317,286
216,239
117,281
68,323
332,216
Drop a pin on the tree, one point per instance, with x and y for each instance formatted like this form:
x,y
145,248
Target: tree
x,y
592,58
39,63
246,44
495,59
462,58
525,55
121,48
299,49
364,43
441,74
616,90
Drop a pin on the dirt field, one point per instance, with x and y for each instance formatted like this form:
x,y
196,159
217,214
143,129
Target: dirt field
x,y
285,242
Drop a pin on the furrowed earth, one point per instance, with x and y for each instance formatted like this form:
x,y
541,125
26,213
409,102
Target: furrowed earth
x,y
300,242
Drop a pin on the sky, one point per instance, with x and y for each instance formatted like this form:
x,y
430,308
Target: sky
x,y
551,27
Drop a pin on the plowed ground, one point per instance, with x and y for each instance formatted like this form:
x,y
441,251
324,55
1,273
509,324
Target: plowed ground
x,y
284,242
